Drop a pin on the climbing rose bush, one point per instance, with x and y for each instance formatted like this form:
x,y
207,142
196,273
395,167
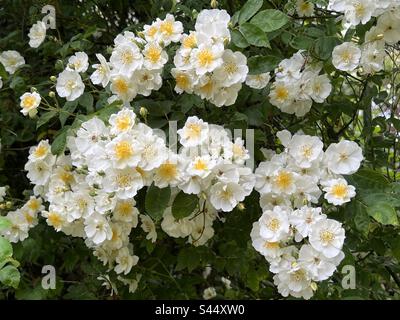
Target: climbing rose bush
x,y
200,150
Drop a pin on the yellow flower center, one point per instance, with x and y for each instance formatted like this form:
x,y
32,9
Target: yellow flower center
x,y
167,27
82,204
168,171
343,156
101,69
305,6
55,219
153,54
208,87
151,31
40,151
125,208
77,64
359,9
205,57
284,180
273,224
28,217
189,42
34,204
238,151
200,165
70,85
123,123
339,190
298,275
346,56
121,86
182,81
307,151
123,150
326,236
66,177
281,93
193,131
12,61
123,180
226,194
271,245
127,57
28,102
115,236
230,68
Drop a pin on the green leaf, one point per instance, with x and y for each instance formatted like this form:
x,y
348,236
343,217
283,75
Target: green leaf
x,y
324,46
356,211
395,245
86,100
59,143
384,213
157,201
262,64
105,113
46,117
6,249
368,179
37,293
10,276
4,223
235,18
17,83
254,35
249,9
270,20
302,42
69,107
239,40
188,258
3,73
184,205
370,198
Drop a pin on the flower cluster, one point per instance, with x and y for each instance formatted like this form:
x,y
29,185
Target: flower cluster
x,y
356,11
22,219
91,188
135,65
370,55
301,244
298,83
211,166
202,64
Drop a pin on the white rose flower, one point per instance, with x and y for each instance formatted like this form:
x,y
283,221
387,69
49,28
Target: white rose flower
x,y
125,261
79,62
258,81
305,149
209,293
338,191
102,72
69,85
37,34
274,224
29,103
11,60
346,57
344,157
327,236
